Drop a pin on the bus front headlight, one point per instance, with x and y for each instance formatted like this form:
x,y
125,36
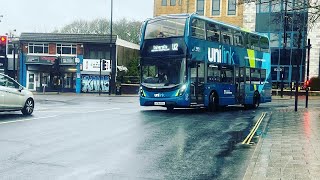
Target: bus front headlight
x,y
182,90
142,94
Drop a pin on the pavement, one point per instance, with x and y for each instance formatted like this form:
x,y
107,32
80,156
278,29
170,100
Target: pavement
x,y
289,146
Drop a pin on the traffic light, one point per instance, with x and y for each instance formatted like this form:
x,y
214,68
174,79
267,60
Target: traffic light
x,y
104,63
3,45
307,83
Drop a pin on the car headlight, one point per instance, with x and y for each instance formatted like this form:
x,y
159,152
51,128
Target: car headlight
x,y
182,90
142,94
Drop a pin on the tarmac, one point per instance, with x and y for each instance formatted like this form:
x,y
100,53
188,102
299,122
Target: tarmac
x,y
289,147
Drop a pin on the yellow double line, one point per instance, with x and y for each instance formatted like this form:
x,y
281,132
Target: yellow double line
x,y
247,140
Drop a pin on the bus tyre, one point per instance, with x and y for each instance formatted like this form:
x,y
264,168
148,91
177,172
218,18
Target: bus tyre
x,y
213,102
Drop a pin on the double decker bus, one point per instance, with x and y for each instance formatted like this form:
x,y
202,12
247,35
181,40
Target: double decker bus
x,y
189,60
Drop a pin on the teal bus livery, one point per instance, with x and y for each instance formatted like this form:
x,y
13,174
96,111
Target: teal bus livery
x,y
189,60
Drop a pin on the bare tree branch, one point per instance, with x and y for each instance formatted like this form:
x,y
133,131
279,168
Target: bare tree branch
x,y
126,29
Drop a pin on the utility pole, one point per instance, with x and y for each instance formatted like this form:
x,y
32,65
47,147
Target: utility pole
x,y
308,64
284,44
113,62
100,77
297,73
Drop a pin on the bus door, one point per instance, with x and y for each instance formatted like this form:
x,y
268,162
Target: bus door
x,y
240,77
197,77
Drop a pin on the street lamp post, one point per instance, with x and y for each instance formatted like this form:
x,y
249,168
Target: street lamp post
x,y
11,37
284,44
113,69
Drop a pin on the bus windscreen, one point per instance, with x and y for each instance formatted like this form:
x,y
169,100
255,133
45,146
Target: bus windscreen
x,y
163,28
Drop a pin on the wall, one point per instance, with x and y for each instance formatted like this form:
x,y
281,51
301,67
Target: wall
x,y
189,6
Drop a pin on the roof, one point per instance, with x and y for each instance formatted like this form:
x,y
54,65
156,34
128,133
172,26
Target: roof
x,y
72,38
127,44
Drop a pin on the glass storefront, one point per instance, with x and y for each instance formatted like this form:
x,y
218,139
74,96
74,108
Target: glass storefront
x,y
270,20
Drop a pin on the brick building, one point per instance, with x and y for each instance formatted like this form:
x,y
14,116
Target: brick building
x,y
71,62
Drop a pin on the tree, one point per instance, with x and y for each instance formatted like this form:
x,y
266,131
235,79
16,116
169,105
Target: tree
x,y
128,30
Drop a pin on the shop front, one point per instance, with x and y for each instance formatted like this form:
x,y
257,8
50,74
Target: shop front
x,y
91,79
42,76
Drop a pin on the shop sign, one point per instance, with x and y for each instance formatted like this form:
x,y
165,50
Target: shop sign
x,y
67,61
94,65
40,60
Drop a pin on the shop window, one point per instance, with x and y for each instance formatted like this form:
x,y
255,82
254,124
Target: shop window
x,y
213,33
67,49
215,8
198,29
38,48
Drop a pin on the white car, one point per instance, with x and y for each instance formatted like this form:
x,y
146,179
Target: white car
x,y
14,97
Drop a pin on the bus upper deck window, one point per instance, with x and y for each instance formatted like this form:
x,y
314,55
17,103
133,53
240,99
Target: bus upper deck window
x,y
264,44
213,32
226,35
198,28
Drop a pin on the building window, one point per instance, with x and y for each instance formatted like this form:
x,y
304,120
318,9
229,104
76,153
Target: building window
x,y
164,2
215,8
38,48
180,2
172,2
232,5
200,7
67,49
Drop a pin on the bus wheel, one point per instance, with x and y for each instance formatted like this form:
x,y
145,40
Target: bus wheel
x,y
213,102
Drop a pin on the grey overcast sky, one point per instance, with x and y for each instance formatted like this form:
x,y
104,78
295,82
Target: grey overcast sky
x,y
46,15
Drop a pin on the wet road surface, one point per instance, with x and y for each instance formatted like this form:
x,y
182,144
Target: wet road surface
x,y
93,137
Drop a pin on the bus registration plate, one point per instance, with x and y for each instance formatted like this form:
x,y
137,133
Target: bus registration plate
x,y
159,103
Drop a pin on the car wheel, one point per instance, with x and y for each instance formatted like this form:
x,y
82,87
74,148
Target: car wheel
x,y
28,107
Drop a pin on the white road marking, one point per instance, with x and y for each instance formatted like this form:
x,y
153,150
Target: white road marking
x,y
30,119
72,112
